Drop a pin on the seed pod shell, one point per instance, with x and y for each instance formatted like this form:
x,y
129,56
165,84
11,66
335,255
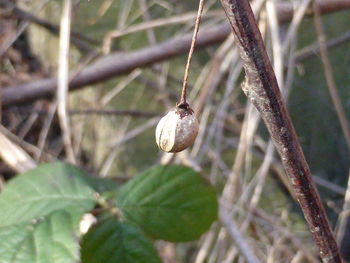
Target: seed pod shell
x,y
177,130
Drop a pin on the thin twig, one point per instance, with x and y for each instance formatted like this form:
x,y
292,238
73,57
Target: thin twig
x,y
113,112
121,140
30,148
328,72
62,88
13,155
329,185
314,49
193,42
212,76
152,39
183,18
45,130
237,236
262,89
298,16
107,98
274,223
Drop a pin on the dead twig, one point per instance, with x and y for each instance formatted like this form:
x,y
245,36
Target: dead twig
x,y
63,80
112,112
314,49
238,238
145,26
328,72
13,155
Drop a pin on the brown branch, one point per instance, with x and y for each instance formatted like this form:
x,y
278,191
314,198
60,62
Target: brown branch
x,y
262,89
120,63
114,65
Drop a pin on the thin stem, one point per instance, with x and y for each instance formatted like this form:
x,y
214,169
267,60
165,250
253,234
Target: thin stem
x,y
262,89
194,38
63,79
239,239
328,72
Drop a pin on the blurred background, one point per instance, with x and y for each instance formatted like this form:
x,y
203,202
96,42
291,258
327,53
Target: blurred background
x,y
126,60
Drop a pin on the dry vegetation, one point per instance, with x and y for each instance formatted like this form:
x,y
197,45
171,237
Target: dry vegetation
x,y
125,60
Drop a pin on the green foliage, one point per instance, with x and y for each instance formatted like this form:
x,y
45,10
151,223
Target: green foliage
x,y
41,191
172,203
35,225
111,241
40,213
51,240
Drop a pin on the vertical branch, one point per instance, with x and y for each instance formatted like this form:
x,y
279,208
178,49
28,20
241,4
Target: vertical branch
x,y
63,78
261,88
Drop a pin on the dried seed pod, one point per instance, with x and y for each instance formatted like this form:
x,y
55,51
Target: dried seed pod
x,y
177,130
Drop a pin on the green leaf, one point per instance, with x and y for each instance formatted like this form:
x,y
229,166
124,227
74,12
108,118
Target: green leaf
x,y
172,203
99,184
111,241
11,238
41,191
53,240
